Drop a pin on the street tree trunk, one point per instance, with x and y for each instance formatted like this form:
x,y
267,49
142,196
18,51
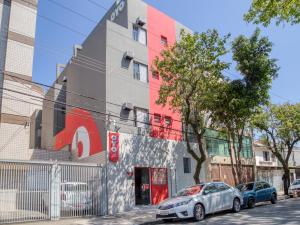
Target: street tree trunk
x,y
232,160
286,180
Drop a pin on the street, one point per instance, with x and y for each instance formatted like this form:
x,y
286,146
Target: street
x,y
284,212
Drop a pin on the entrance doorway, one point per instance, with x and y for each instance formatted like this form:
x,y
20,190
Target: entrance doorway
x,y
151,185
142,186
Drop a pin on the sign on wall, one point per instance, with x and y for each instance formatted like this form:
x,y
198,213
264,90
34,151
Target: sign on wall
x,y
120,5
113,145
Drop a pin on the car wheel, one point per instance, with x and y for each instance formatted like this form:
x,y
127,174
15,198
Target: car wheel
x,y
251,203
199,212
167,220
236,207
291,196
274,198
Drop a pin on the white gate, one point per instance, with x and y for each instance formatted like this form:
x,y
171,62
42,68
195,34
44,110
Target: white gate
x,y
31,191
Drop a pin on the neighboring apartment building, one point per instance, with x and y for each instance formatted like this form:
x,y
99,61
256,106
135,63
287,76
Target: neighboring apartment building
x,y
18,112
269,169
102,109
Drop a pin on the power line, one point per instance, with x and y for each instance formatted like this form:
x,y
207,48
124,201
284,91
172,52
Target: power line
x,y
99,5
107,114
94,21
73,11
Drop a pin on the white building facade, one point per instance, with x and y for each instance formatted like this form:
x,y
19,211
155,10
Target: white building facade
x,y
269,169
18,110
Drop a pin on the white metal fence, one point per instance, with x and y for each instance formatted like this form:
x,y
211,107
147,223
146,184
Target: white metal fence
x,y
31,191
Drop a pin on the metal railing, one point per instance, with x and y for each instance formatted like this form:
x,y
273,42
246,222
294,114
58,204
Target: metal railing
x,y
32,191
23,190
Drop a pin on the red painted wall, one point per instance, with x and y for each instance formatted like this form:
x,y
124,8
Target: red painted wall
x,y
81,133
159,25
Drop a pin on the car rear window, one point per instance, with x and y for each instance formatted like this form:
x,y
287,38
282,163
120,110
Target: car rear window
x,y
245,187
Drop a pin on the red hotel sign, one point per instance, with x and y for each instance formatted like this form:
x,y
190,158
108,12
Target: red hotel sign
x,y
113,146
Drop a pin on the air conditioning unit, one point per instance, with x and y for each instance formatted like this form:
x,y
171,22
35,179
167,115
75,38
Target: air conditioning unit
x,y
140,22
127,106
129,55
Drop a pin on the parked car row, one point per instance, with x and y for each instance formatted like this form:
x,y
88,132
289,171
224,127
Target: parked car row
x,y
206,198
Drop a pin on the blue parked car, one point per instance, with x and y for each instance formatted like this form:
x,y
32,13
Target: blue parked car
x,y
255,192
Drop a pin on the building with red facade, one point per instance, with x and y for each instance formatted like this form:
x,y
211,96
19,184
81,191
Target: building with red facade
x,y
103,110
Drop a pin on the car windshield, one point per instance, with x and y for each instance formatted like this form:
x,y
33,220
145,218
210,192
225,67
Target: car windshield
x,y
190,190
245,187
296,182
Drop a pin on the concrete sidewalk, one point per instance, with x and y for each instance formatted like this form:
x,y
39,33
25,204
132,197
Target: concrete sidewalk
x,y
138,216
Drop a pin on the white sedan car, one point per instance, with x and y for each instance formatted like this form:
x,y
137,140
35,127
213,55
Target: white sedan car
x,y
198,200
74,196
294,189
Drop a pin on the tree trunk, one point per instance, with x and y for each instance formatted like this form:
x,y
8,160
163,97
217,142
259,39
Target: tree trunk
x,y
286,179
198,171
232,160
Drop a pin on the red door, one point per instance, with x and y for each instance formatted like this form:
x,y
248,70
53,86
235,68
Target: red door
x,y
159,185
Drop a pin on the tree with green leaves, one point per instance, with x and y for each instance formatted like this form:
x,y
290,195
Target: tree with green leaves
x,y
280,128
264,11
191,73
240,99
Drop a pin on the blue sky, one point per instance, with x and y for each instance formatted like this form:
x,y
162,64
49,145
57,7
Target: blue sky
x,y
54,43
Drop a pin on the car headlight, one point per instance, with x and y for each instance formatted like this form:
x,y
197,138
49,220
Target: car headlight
x,y
183,203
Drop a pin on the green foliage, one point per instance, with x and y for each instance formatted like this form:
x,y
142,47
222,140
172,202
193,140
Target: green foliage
x,y
280,128
191,70
264,11
280,125
240,99
191,73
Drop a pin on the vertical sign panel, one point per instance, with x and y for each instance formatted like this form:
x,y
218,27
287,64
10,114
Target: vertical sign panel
x,y
113,147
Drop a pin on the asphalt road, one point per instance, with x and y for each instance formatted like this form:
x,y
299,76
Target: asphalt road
x,y
284,212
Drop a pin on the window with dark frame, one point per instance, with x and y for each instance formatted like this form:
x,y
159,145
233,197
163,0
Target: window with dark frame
x,y
157,118
266,156
168,121
164,41
187,165
140,72
141,117
155,75
139,34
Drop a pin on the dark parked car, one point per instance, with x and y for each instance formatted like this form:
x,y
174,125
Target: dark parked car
x,y
255,192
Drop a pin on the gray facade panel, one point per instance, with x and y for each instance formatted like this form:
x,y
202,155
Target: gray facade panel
x,y
121,85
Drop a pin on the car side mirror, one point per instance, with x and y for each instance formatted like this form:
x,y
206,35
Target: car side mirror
x,y
205,192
